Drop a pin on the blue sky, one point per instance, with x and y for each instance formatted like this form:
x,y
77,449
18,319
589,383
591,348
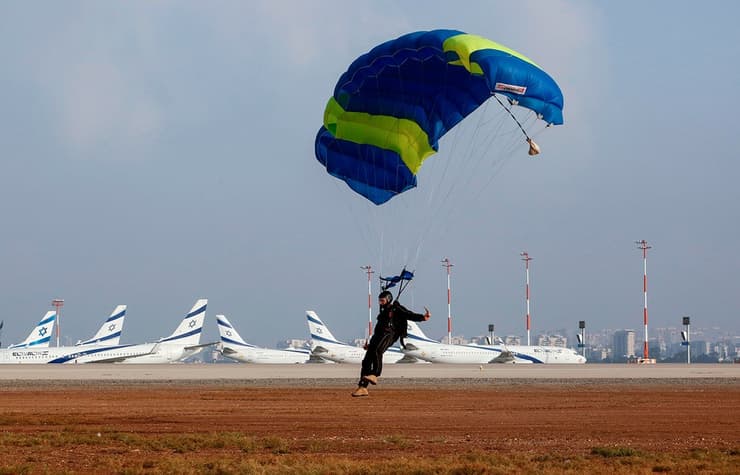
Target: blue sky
x,y
157,152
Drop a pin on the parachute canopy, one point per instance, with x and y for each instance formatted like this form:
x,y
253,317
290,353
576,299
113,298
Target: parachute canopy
x,y
394,103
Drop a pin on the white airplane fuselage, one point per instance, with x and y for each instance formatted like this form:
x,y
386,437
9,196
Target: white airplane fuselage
x,y
351,354
483,354
420,346
258,355
539,354
70,354
325,346
451,354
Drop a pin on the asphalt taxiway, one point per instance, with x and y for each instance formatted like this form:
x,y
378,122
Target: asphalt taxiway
x,y
441,372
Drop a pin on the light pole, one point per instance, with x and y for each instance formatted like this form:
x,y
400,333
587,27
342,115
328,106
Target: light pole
x,y
58,304
446,263
643,245
369,270
686,335
526,259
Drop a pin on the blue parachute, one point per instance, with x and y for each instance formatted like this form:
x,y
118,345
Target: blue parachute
x,y
394,103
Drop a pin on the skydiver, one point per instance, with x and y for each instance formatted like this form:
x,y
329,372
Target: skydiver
x,y
391,326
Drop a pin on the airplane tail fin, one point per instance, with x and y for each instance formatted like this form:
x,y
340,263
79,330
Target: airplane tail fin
x,y
41,334
416,335
229,335
318,330
110,332
189,331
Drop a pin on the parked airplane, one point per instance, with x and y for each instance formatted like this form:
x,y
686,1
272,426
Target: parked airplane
x,y
535,354
422,347
181,344
325,346
233,346
44,354
41,334
110,332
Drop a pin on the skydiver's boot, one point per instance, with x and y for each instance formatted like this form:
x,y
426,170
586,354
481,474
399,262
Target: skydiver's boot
x,y
361,391
370,378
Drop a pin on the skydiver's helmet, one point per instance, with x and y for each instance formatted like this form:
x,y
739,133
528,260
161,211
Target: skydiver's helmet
x,y
387,296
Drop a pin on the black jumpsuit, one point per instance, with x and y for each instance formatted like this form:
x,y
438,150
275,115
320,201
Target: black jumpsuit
x,y
390,327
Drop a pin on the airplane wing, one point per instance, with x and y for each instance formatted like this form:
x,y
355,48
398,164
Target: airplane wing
x,y
407,359
503,357
119,359
195,347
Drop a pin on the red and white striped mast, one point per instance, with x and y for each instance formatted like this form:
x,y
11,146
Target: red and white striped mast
x,y
446,263
644,246
526,259
369,270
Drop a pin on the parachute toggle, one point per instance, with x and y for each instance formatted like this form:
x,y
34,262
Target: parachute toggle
x,y
534,149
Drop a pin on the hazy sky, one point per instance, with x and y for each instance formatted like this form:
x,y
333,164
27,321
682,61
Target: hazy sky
x,y
157,152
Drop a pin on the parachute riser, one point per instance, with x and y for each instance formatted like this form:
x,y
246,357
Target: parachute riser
x,y
403,280
534,149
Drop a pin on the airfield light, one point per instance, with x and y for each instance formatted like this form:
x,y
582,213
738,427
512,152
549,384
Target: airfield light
x,y
526,259
369,270
58,304
643,245
446,263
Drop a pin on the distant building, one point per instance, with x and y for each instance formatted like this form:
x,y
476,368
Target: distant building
x,y
656,349
552,340
623,345
458,340
480,339
595,355
359,342
726,350
292,343
699,348
513,340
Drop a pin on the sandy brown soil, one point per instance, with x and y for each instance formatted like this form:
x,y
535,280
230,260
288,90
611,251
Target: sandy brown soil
x,y
429,420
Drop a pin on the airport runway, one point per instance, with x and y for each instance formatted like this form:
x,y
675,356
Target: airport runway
x,y
342,372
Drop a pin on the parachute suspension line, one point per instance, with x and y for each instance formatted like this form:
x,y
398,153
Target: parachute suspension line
x,y
416,206
534,149
508,148
435,194
512,116
362,228
382,241
442,178
467,164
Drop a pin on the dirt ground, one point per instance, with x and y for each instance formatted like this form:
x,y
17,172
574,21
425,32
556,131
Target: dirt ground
x,y
398,418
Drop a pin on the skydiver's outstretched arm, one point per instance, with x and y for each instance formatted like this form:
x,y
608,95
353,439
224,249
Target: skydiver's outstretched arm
x,y
409,315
